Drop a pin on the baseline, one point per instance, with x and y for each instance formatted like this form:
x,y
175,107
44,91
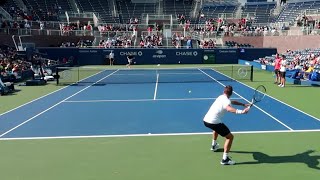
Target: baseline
x,y
148,135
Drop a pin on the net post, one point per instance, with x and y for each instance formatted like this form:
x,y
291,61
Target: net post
x,y
57,75
251,74
232,71
78,75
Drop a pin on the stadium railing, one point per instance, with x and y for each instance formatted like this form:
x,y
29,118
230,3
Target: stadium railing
x,y
44,32
202,35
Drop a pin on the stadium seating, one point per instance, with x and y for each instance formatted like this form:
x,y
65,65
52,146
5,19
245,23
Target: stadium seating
x,y
48,10
292,10
177,7
9,4
129,10
99,6
261,11
235,44
213,9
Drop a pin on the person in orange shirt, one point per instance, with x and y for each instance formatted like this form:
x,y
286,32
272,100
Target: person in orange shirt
x,y
277,69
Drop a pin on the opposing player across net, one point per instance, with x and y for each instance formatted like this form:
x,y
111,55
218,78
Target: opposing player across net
x,y
72,75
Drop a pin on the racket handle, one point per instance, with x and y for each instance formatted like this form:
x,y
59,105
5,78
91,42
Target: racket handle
x,y
251,104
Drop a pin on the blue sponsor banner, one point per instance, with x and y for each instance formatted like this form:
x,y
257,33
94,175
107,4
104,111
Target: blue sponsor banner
x,y
96,56
251,54
156,56
90,56
257,65
222,56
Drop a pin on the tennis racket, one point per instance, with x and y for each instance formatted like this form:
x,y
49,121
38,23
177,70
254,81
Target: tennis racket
x,y
259,94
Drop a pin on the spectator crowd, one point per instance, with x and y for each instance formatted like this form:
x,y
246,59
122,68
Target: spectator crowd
x,y
303,64
11,65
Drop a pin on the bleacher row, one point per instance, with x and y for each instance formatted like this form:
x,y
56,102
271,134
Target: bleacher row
x,y
120,11
291,11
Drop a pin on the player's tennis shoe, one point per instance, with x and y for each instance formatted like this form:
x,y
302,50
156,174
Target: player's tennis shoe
x,y
215,147
227,161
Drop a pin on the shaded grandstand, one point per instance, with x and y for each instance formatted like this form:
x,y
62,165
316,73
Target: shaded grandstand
x,y
183,7
101,7
293,9
260,11
48,10
218,9
128,10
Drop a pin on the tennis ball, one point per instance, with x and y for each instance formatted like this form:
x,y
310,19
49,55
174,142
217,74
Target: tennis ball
x,y
189,91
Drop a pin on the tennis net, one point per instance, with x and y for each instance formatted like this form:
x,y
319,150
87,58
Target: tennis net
x,y
95,75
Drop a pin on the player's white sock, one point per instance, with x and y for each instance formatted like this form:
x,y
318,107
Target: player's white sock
x,y
213,142
225,155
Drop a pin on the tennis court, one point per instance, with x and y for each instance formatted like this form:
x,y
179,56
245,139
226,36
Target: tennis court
x,y
118,103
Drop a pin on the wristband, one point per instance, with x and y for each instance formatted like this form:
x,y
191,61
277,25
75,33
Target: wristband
x,y
238,111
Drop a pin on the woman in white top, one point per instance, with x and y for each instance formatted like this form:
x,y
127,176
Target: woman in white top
x,y
283,69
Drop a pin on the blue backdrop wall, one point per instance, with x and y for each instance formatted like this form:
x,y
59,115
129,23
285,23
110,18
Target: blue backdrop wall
x,y
90,56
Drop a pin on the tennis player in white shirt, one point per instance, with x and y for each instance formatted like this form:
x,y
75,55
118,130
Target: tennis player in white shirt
x,y
213,120
111,58
283,69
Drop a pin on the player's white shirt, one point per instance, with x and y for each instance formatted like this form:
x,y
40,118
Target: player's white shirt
x,y
283,66
217,110
111,55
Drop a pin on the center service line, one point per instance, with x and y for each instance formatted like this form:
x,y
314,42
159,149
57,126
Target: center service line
x,y
156,87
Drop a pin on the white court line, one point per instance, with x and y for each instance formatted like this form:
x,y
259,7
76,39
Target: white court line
x,y
156,88
46,95
151,74
272,98
178,73
249,101
141,100
54,105
148,135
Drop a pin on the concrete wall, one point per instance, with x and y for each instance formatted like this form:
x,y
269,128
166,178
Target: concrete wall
x,y
282,43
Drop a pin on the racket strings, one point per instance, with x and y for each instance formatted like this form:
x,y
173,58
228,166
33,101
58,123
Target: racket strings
x,y
259,93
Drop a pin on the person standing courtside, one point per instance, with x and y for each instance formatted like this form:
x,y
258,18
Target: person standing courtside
x,y
213,120
283,69
111,58
277,69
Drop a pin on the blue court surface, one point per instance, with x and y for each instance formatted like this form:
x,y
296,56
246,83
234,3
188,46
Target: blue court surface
x,y
159,103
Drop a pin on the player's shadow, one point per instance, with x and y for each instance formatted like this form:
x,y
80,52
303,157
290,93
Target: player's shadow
x,y
304,157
